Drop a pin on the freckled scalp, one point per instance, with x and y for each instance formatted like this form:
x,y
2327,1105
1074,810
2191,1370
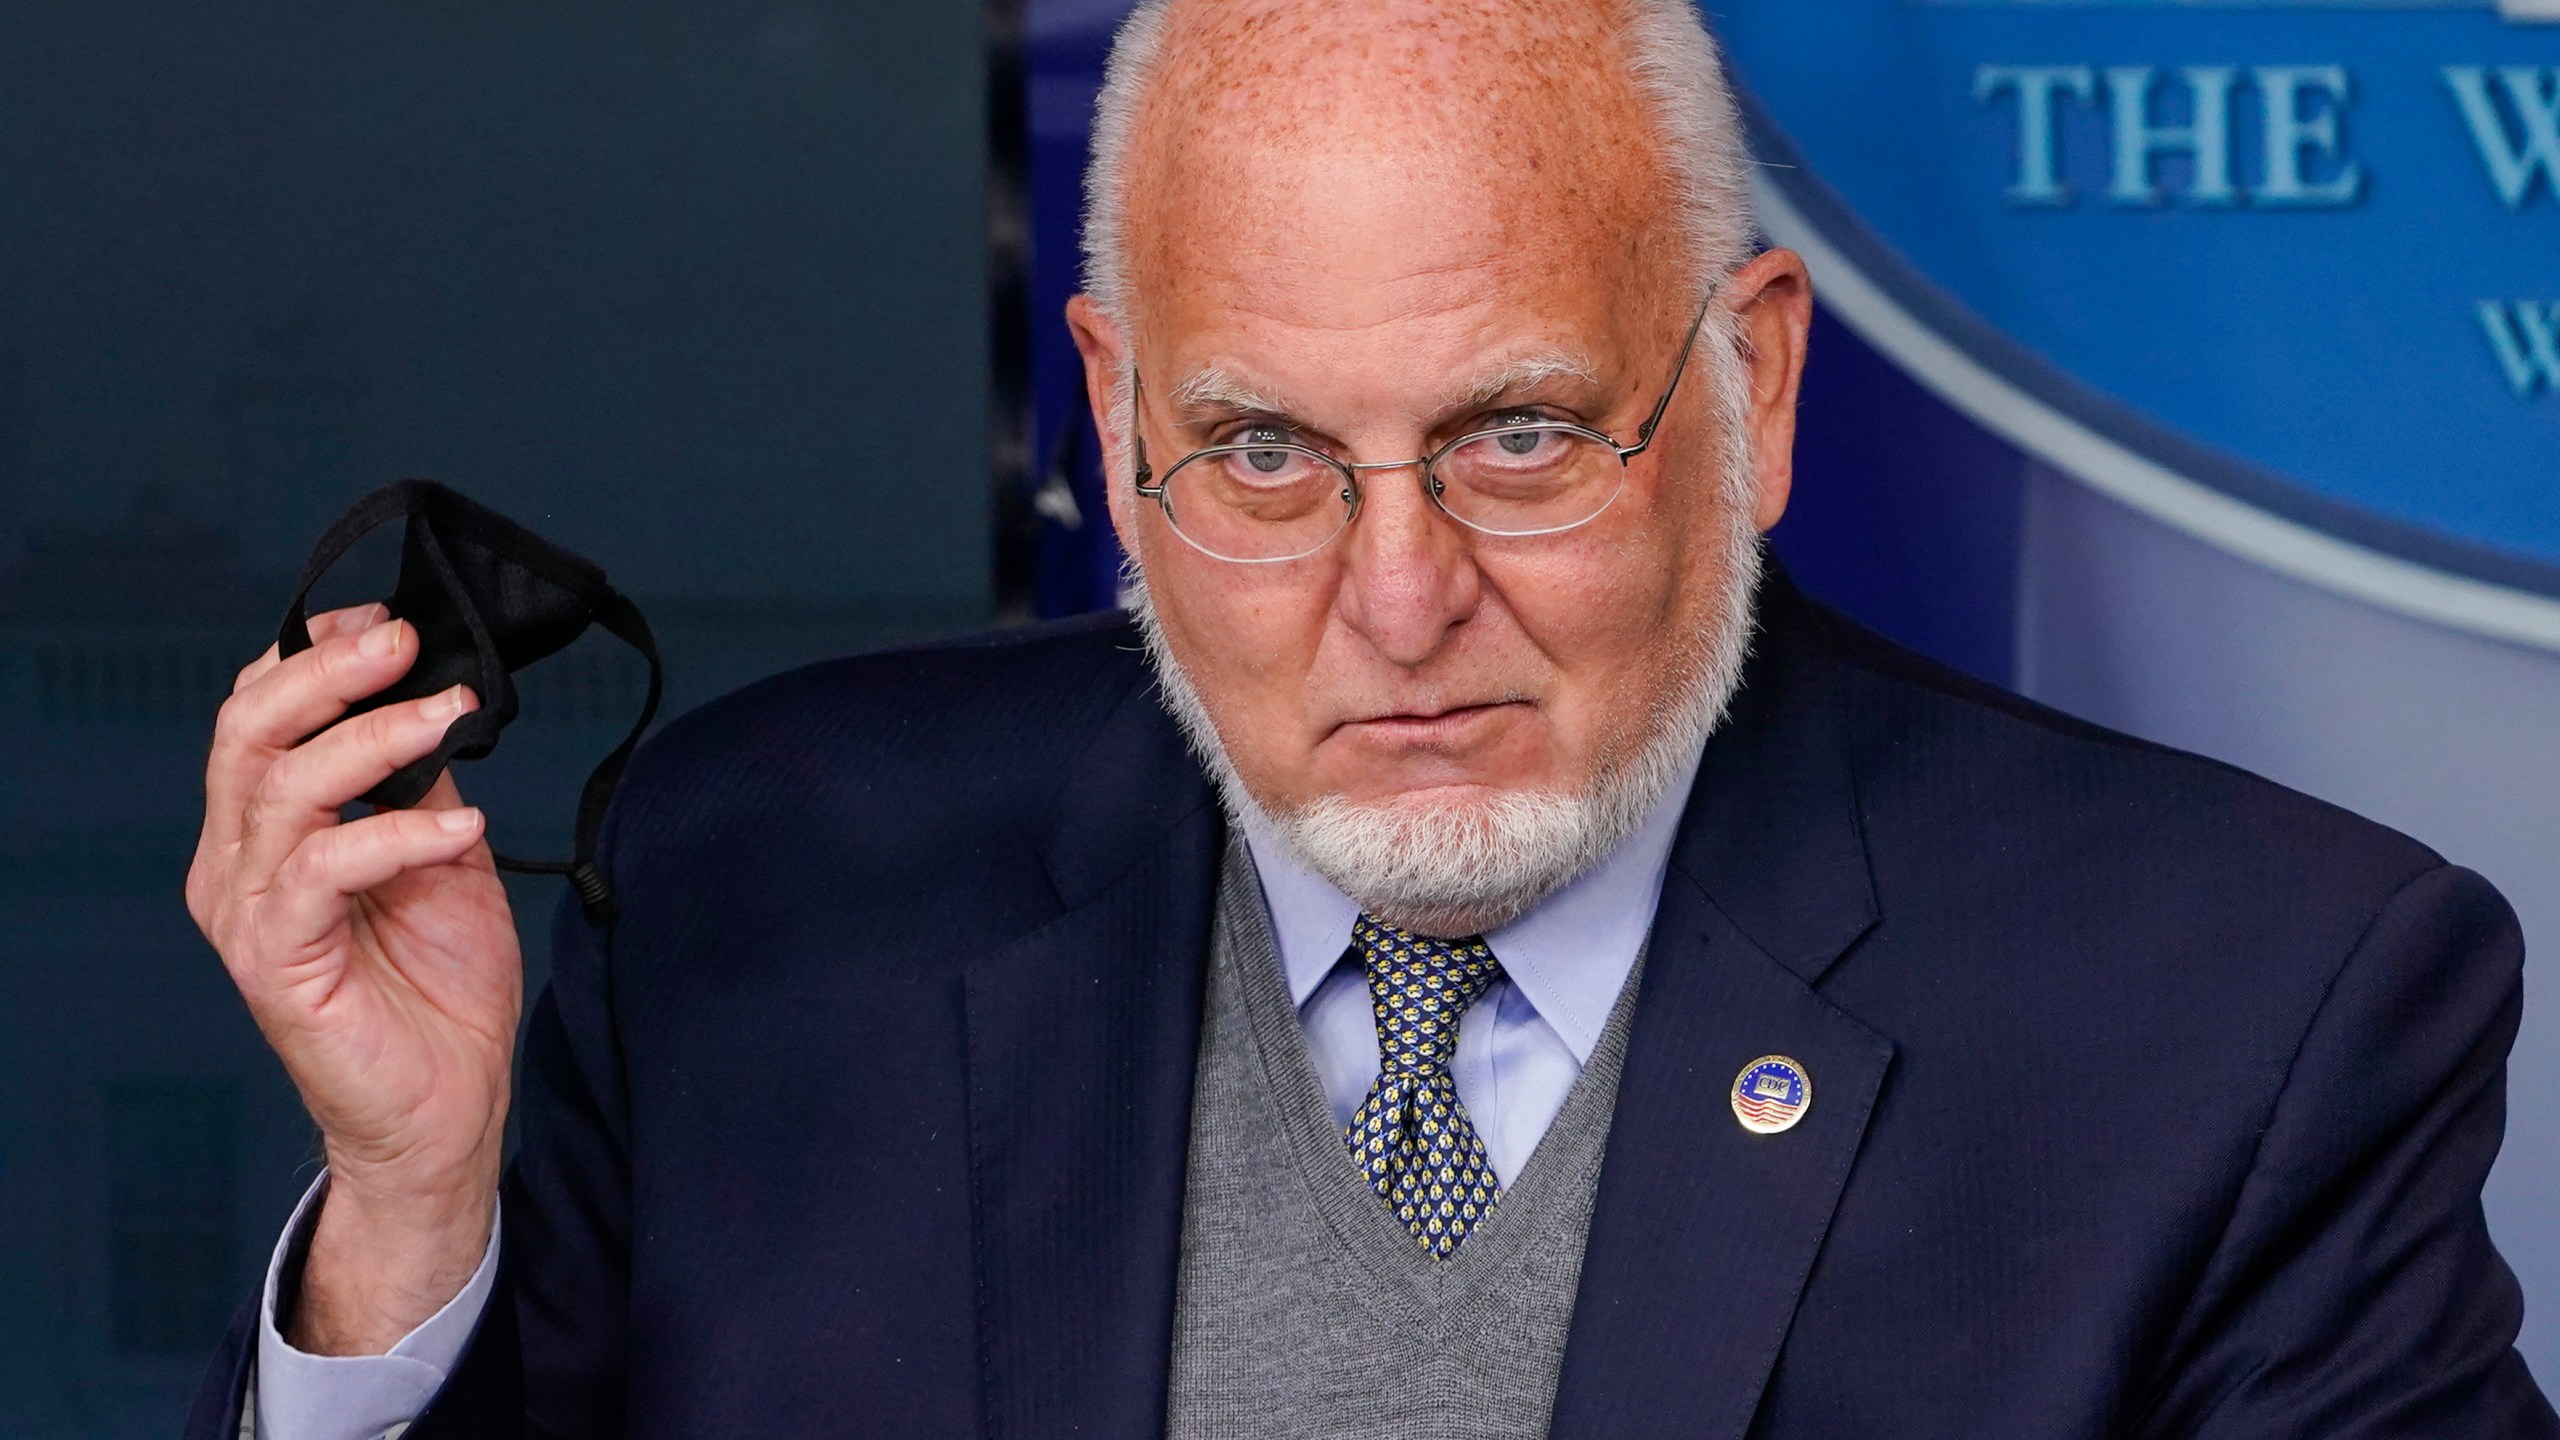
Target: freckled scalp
x,y
1603,111
1522,114
1505,72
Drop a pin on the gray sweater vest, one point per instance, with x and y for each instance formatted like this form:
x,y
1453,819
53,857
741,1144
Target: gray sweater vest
x,y
1304,1310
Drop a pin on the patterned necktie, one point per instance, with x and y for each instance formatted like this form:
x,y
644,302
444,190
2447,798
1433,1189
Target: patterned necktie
x,y
1412,1137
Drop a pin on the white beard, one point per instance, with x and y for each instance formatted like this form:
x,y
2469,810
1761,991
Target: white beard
x,y
1464,864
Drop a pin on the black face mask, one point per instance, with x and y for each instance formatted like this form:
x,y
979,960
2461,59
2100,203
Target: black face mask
x,y
488,598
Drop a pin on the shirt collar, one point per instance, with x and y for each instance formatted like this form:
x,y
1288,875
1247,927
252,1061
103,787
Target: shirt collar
x,y
1569,956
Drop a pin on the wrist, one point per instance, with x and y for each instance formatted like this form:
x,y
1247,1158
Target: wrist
x,y
381,1263
412,1194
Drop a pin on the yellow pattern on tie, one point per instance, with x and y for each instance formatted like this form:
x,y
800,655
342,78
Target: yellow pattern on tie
x,y
1412,1136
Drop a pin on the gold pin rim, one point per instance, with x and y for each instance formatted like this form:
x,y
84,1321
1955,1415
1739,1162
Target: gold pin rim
x,y
1767,1115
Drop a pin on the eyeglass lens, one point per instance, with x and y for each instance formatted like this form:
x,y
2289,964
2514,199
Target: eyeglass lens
x,y
1277,502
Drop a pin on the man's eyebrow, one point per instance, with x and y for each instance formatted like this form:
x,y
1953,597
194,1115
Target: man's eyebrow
x,y
1215,389
1525,371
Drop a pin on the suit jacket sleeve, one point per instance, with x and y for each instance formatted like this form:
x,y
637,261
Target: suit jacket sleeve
x,y
549,1356
2355,1291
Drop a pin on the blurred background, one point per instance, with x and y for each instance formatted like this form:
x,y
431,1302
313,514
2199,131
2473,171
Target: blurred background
x,y
2194,366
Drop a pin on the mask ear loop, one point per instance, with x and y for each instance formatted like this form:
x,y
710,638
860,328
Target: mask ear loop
x,y
391,502
621,619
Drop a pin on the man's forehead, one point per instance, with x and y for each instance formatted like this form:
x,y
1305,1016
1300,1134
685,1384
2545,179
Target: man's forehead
x,y
1541,89
1445,310
1304,146
1218,388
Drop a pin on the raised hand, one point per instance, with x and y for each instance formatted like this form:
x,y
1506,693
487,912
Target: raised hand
x,y
379,958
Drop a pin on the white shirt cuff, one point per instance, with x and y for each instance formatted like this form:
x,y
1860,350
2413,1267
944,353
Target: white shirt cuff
x,y
358,1397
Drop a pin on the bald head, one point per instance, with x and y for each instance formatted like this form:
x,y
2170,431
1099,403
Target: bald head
x,y
1566,130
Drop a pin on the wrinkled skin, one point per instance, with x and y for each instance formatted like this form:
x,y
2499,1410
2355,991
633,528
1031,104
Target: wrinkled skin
x,y
1361,211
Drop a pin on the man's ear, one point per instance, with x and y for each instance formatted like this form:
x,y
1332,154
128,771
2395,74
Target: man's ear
x,y
1106,371
1772,298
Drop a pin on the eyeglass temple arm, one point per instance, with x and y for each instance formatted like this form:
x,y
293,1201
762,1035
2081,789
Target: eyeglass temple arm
x,y
1644,435
1144,474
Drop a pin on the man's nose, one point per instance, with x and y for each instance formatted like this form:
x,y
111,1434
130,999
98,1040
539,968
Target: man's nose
x,y
1410,574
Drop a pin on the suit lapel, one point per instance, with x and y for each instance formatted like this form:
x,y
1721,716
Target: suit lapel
x,y
1704,1233
1082,1038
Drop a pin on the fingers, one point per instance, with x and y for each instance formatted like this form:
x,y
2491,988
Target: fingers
x,y
290,699
308,901
303,790
325,626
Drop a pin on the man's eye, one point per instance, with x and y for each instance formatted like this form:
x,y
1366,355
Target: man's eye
x,y
1513,436
1266,462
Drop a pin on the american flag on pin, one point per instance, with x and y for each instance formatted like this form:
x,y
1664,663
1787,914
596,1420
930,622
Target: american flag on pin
x,y
1771,1094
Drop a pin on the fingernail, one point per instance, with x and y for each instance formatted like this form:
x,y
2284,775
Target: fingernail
x,y
453,702
379,641
457,821
362,618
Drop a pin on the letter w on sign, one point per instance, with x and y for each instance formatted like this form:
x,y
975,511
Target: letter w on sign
x,y
2526,335
2519,149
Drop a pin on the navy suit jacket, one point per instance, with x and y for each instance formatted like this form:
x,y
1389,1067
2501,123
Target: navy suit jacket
x,y
2151,1099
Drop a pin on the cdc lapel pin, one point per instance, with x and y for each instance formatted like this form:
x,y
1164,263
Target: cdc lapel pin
x,y
1771,1094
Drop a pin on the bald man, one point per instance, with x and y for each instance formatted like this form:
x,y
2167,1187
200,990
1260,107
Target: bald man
x,y
1472,955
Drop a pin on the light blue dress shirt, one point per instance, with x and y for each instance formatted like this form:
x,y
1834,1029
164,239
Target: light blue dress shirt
x,y
1519,1051
1526,1040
